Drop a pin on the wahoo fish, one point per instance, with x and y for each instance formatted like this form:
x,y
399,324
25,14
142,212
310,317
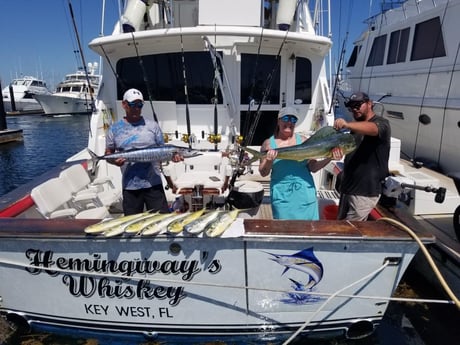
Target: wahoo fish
x,y
304,261
177,226
157,227
150,154
319,145
107,224
198,225
219,225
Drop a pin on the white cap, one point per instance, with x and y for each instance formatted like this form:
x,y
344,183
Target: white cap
x,y
287,111
133,95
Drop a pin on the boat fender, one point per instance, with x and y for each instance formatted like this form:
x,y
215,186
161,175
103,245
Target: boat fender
x,y
133,16
285,14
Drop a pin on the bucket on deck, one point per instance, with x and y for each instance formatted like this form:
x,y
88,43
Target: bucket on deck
x,y
330,212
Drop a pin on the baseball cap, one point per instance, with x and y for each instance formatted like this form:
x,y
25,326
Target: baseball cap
x,y
357,97
287,111
133,95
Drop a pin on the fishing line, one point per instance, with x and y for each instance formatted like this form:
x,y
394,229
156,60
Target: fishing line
x,y
145,77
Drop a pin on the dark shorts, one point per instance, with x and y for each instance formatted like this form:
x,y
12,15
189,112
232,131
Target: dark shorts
x,y
140,200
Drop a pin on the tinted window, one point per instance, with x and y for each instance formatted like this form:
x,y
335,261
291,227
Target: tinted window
x,y
164,76
353,56
255,72
303,80
428,40
398,46
377,51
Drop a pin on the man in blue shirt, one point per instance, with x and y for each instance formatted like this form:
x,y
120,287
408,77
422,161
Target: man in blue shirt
x,y
141,181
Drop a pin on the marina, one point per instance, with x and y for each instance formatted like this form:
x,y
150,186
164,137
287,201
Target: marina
x,y
255,279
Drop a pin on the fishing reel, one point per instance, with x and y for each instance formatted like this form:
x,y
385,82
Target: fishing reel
x,y
214,138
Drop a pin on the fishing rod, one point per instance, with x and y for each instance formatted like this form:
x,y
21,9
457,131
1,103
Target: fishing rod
x,y
90,88
145,77
187,111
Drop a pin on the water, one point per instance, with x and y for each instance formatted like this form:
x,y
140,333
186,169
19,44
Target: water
x,y
50,141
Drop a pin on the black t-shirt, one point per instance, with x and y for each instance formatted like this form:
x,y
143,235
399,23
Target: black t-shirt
x,y
366,167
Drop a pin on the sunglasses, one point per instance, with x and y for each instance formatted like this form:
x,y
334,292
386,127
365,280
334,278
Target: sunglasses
x,y
136,104
289,118
355,105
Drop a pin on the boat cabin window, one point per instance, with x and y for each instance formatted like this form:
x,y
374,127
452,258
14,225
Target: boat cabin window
x,y
255,70
303,80
165,78
265,126
377,51
398,46
353,56
428,40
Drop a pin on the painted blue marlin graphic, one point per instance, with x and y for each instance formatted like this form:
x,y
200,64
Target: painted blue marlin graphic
x,y
304,261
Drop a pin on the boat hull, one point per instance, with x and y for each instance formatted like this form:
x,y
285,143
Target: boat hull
x,y
61,104
217,288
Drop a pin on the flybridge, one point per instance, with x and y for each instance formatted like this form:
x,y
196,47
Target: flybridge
x,y
292,15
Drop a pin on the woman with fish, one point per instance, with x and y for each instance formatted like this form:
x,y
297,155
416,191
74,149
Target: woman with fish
x,y
292,189
141,181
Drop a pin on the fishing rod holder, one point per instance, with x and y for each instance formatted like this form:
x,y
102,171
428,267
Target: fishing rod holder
x,y
396,186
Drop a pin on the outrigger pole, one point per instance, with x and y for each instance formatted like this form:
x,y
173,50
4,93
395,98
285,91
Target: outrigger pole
x,y
90,88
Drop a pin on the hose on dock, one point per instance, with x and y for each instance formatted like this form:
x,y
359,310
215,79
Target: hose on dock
x,y
436,271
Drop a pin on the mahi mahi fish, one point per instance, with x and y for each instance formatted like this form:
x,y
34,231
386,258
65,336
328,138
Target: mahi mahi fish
x,y
177,226
219,225
158,227
319,145
108,224
150,154
198,225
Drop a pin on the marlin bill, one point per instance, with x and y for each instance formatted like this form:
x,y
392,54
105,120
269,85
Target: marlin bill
x,y
149,154
319,145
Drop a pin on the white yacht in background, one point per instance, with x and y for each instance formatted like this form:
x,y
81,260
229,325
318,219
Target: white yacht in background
x,y
72,95
22,90
409,60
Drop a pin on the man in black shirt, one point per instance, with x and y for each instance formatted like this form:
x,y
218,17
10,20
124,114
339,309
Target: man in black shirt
x,y
366,167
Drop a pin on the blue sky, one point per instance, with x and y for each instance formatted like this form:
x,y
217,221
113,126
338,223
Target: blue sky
x,y
38,39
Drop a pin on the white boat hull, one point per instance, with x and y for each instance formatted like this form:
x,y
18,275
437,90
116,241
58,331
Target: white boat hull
x,y
61,104
211,287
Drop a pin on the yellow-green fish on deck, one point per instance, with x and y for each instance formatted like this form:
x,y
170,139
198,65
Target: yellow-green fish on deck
x,y
220,224
107,224
177,226
157,227
198,225
139,224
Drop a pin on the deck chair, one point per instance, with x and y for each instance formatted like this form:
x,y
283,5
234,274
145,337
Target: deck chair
x,y
208,170
101,190
53,199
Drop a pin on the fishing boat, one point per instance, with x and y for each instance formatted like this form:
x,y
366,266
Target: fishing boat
x,y
18,95
407,59
73,95
214,79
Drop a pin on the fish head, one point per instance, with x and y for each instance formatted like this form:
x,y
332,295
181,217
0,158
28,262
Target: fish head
x,y
186,152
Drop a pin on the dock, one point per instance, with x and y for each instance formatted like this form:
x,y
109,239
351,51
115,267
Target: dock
x,y
10,135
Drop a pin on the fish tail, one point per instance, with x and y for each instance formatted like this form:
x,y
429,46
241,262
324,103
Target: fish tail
x,y
94,159
256,155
